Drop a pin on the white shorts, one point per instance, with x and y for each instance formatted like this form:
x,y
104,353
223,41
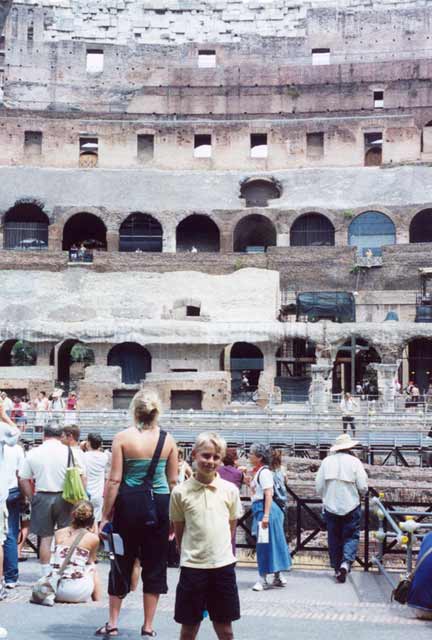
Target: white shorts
x,y
3,522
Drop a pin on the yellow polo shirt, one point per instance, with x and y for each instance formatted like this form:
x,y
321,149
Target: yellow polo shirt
x,y
206,510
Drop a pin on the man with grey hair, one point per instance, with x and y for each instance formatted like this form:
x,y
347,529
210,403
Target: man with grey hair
x,y
47,465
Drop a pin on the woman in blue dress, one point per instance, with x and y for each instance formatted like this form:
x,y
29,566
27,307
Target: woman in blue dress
x,y
272,556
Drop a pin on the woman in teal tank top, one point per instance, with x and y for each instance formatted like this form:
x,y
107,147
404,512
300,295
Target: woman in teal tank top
x,y
132,452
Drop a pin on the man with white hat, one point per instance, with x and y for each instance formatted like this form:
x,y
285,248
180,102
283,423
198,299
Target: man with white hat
x,y
340,481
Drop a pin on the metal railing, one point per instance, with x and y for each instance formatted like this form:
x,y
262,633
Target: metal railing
x,y
402,525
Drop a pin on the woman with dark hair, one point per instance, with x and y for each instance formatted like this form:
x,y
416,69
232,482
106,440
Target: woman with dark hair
x,y
80,580
229,470
144,462
272,551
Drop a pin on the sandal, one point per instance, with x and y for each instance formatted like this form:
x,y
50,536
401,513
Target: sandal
x,y
150,634
107,631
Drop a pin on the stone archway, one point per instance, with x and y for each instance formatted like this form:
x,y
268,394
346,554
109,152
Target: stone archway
x,y
312,229
17,353
254,234
25,227
421,227
198,233
365,354
134,360
246,359
141,232
85,228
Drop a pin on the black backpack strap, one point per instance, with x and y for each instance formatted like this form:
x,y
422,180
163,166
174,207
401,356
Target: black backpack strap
x,y
71,460
152,468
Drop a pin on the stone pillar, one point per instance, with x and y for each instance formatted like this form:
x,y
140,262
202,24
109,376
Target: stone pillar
x,y
226,241
113,241
283,240
386,374
55,237
321,387
169,239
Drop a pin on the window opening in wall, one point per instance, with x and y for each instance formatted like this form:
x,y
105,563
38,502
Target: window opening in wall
x,y
258,191
2,43
202,146
145,147
184,400
258,145
370,231
184,370
373,148
206,58
32,143
30,33
315,145
140,232
320,56
197,233
378,99
88,152
95,61
192,311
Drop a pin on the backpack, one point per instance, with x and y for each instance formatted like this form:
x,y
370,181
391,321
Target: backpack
x,y
277,492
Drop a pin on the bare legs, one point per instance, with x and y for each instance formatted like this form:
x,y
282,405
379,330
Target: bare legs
x,y
150,601
223,631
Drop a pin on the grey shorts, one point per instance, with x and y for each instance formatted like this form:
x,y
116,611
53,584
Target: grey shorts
x,y
49,512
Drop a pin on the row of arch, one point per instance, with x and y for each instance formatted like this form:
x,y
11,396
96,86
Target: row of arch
x,y
293,360
26,226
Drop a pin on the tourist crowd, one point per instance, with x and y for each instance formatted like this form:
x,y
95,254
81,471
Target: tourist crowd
x,y
143,494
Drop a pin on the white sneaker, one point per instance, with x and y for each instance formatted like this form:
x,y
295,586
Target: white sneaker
x,y
279,581
3,632
260,586
11,585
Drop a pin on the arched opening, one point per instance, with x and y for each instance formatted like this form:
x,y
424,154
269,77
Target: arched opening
x,y
141,232
197,233
17,353
421,227
72,359
246,364
25,227
87,229
134,360
370,231
312,229
254,234
361,358
258,191
293,369
417,363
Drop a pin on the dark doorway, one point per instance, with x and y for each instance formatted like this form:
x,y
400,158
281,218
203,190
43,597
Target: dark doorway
x,y
122,398
134,360
293,369
141,232
312,229
257,192
245,360
420,363
184,400
25,227
364,356
72,358
86,229
198,233
254,234
421,227
17,353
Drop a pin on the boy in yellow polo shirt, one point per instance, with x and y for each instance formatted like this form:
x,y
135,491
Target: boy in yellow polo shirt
x,y
204,512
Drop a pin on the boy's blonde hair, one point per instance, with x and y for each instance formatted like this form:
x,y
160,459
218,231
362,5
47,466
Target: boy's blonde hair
x,y
209,437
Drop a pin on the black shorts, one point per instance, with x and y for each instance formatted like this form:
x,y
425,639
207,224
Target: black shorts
x,y
147,544
214,590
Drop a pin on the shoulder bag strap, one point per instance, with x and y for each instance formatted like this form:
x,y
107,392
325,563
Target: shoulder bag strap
x,y
72,548
71,459
152,468
259,473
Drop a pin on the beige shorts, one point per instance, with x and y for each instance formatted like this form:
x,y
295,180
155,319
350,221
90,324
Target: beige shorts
x,y
3,522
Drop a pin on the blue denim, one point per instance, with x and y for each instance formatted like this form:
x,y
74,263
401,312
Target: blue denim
x,y
10,547
343,536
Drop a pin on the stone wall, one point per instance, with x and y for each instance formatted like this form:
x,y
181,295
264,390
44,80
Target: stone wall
x,y
215,387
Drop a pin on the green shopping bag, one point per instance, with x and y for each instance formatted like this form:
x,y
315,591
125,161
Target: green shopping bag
x,y
73,488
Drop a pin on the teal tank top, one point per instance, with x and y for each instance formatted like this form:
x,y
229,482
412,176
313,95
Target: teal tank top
x,y
135,469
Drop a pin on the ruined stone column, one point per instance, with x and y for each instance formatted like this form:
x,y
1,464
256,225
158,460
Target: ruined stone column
x,y
113,241
321,385
386,374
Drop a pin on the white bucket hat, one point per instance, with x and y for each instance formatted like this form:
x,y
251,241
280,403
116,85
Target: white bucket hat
x,y
343,442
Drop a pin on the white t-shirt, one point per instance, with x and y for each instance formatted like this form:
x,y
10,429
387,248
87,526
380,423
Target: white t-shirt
x,y
97,464
47,465
265,482
13,457
8,404
9,436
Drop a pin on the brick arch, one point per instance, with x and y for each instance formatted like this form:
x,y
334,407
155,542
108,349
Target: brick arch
x,y
312,228
199,231
265,235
